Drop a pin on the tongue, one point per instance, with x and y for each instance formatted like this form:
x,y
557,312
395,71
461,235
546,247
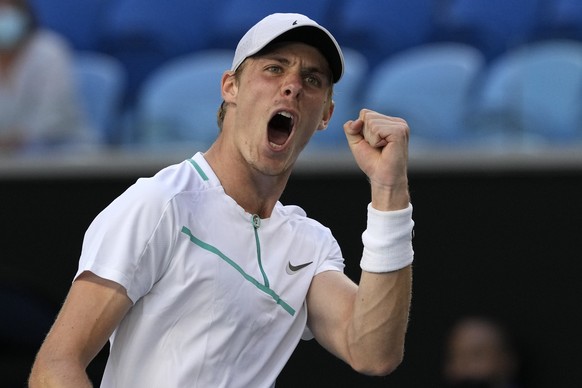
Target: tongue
x,y
278,135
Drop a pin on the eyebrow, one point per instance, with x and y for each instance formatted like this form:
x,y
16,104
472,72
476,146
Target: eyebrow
x,y
284,61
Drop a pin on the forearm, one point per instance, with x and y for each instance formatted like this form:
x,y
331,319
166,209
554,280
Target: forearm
x,y
382,302
47,373
93,309
377,331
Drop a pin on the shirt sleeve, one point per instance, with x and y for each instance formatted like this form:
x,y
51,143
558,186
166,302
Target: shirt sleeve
x,y
130,242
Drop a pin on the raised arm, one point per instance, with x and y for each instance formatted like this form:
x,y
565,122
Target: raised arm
x,y
365,324
91,312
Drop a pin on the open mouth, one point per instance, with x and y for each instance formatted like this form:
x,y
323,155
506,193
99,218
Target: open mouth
x,y
279,128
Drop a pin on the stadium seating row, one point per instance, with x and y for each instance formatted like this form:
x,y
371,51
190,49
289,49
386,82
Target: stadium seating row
x,y
458,70
143,34
447,91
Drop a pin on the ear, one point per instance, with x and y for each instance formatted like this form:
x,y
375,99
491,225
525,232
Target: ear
x,y
327,113
229,87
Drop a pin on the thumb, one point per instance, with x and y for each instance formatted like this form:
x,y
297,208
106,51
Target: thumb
x,y
354,127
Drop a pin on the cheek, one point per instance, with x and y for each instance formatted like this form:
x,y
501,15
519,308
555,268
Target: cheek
x,y
322,117
254,94
306,136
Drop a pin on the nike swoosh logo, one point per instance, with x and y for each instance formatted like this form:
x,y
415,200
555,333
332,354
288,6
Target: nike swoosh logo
x,y
292,269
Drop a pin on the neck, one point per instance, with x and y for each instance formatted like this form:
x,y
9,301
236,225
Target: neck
x,y
253,190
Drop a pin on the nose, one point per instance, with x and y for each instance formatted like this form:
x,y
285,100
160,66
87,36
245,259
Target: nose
x,y
292,86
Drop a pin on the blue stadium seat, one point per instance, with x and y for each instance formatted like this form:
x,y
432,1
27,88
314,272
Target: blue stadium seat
x,y
144,34
563,19
493,26
346,96
379,28
428,86
179,102
78,21
101,80
535,92
237,16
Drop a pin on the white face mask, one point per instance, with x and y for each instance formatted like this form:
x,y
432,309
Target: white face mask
x,y
13,25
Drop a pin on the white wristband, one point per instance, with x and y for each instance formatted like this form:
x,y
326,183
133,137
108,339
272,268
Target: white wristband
x,y
387,240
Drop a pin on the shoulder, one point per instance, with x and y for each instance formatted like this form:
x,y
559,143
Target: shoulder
x,y
314,237
49,43
297,214
167,184
292,211
298,218
48,50
147,203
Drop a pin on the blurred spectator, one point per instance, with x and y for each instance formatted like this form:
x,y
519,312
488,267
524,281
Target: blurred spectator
x,y
480,354
38,103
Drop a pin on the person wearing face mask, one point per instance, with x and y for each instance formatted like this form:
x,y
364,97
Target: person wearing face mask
x,y
38,99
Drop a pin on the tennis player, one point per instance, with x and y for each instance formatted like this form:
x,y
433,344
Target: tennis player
x,y
200,277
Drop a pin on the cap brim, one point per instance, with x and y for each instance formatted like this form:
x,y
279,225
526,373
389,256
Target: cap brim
x,y
318,38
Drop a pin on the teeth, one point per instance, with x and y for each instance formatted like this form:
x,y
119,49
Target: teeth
x,y
288,116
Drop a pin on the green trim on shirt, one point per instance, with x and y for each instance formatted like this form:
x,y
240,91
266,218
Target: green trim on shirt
x,y
199,169
265,288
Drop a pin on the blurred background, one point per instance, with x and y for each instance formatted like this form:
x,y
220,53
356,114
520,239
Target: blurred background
x,y
492,90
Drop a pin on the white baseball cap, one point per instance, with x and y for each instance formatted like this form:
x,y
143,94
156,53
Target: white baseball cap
x,y
292,27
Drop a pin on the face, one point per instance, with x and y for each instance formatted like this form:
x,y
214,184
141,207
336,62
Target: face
x,y
280,99
476,353
14,24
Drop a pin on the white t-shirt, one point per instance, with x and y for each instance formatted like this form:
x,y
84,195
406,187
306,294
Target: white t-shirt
x,y
219,300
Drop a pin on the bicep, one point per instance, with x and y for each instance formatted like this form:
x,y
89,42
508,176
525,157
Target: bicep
x,y
330,303
91,312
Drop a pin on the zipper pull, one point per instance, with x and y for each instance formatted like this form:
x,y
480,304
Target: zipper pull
x,y
256,221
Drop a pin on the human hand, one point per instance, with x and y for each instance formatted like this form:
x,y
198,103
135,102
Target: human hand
x,y
379,144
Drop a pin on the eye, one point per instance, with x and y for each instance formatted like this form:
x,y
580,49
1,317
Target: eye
x,y
313,80
274,69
